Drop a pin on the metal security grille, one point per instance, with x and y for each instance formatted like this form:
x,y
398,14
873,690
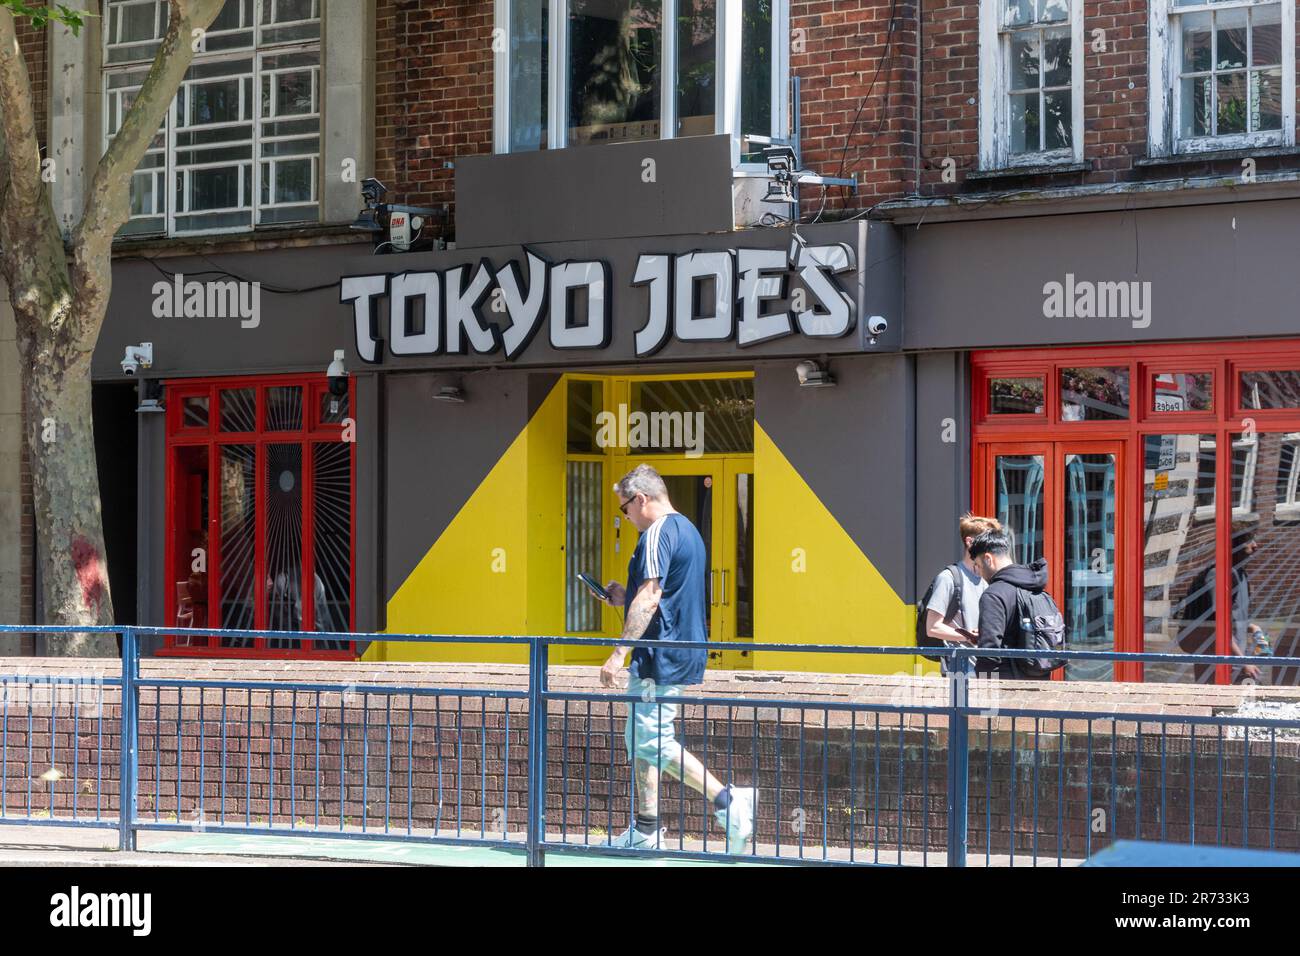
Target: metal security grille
x,y
582,544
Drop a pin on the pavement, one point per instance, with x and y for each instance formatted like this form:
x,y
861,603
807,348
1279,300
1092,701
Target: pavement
x,y
34,846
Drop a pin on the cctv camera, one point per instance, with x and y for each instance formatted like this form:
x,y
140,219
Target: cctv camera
x,y
337,374
137,357
877,325
805,369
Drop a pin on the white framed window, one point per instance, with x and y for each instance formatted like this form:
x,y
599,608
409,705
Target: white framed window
x,y
584,72
240,146
1031,83
1245,462
1288,478
1222,75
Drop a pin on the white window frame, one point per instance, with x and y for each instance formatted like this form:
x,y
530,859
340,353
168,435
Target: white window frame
x,y
995,89
1288,506
257,53
1242,507
1163,62
727,112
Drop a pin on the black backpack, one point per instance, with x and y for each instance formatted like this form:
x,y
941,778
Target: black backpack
x,y
954,604
1042,628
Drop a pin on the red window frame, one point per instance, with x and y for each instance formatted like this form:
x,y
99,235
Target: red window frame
x,y
1226,360
311,433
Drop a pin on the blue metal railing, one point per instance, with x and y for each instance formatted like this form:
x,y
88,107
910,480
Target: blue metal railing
x,y
954,779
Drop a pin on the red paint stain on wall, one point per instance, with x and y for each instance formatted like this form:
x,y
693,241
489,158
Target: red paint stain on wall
x,y
90,572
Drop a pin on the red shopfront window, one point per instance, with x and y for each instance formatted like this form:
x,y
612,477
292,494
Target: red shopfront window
x,y
1162,485
261,491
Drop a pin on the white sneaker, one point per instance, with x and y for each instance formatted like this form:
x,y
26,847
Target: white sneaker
x,y
633,838
738,818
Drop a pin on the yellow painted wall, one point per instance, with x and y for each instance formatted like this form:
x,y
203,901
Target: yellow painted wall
x,y
498,566
812,583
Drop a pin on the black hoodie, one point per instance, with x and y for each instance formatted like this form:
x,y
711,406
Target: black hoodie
x,y
999,623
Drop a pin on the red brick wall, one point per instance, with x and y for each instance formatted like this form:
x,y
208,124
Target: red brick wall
x,y
854,780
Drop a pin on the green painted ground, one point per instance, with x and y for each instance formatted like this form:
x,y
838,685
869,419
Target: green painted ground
x,y
421,854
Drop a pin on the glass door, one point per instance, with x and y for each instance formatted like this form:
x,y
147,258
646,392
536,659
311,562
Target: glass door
x,y
1061,501
715,495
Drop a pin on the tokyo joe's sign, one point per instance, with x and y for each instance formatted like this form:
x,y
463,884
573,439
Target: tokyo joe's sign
x,y
709,296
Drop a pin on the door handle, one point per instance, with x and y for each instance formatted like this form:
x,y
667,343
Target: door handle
x,y
725,600
713,597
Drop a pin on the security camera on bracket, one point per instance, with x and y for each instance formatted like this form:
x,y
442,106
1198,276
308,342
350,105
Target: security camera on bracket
x,y
137,357
401,219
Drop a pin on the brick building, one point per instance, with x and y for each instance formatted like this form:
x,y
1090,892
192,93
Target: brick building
x,y
1022,305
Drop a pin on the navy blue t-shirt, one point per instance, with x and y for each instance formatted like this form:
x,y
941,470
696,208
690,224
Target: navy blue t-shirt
x,y
672,551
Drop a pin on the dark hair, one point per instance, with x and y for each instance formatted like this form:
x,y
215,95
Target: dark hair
x,y
990,542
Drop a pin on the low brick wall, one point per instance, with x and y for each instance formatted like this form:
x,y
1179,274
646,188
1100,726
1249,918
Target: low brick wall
x,y
864,779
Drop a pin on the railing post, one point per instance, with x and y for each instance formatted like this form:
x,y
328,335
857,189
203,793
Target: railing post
x,y
959,674
128,739
538,653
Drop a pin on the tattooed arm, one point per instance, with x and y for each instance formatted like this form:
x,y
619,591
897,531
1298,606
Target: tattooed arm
x,y
639,614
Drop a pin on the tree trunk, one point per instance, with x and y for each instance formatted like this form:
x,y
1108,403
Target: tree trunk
x,y
65,491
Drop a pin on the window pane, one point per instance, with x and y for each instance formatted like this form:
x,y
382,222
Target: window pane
x,y
1197,50
1231,89
1230,38
293,181
282,485
216,102
1197,107
744,556
1025,67
284,408
195,412
1265,610
1058,131
213,189
287,11
1266,100
332,540
1016,396
238,410
1275,389
1090,488
1056,57
697,416
1182,392
1018,484
756,71
697,67
1090,394
585,404
529,43
1017,13
1053,11
1266,35
1178,529
582,544
614,70
1025,135
333,408
238,538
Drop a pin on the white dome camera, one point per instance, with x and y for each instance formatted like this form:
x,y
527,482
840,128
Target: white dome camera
x,y
137,357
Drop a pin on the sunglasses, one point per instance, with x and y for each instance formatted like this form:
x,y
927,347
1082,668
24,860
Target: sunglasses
x,y
624,506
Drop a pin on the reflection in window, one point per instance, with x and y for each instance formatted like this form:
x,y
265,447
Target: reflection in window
x,y
1016,396
1182,392
1266,563
1177,550
1089,561
1036,37
615,70
708,416
1261,390
529,21
1094,394
1230,71
585,404
1019,481
697,67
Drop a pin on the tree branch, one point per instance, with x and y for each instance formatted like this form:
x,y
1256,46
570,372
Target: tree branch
x,y
22,148
108,199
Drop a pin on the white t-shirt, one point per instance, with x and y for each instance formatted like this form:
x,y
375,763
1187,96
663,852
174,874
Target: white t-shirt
x,y
972,586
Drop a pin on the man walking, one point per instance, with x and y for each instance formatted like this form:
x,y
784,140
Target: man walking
x,y
999,615
665,601
952,612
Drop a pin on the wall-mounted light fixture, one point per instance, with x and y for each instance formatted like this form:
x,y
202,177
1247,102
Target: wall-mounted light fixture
x,y
151,392
453,394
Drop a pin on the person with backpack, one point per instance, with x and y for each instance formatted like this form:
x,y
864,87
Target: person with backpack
x,y
948,613
1015,611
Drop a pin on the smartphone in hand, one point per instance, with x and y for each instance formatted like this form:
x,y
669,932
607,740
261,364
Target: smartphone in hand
x,y
594,587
